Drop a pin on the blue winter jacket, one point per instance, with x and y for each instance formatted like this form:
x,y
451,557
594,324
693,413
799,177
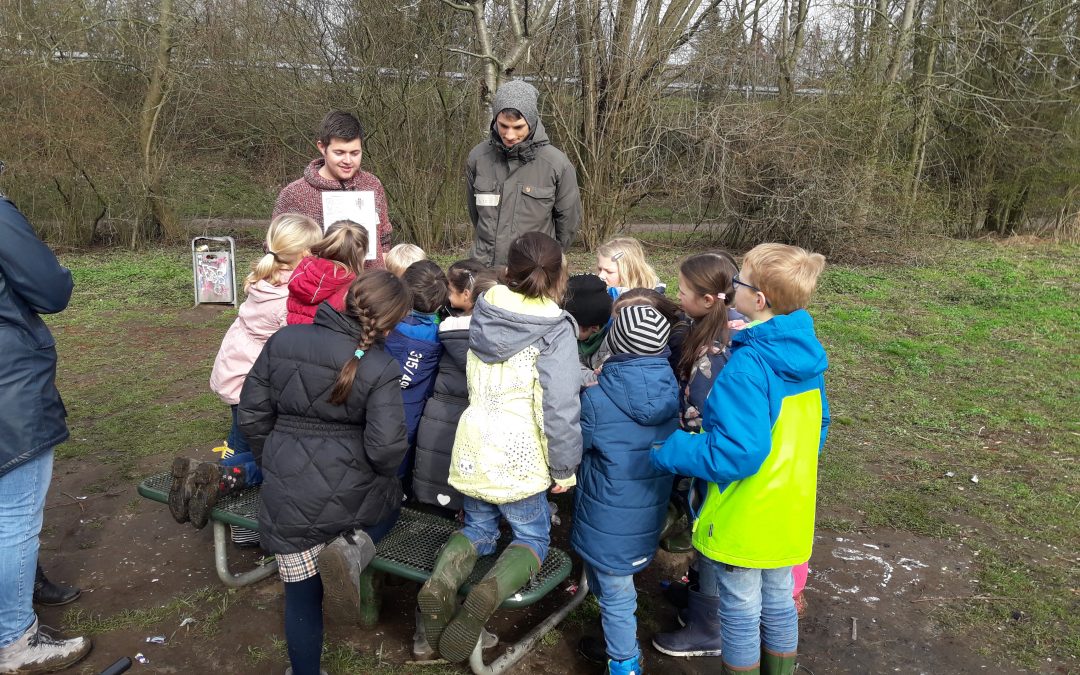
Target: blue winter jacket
x,y
32,282
415,344
621,498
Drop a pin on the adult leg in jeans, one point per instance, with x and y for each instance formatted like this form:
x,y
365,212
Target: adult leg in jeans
x,y
22,503
739,590
618,602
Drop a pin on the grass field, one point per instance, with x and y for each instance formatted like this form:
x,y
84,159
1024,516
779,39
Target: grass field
x,y
954,382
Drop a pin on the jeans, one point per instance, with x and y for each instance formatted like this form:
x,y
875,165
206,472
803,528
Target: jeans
x,y
241,454
756,608
618,602
529,519
22,504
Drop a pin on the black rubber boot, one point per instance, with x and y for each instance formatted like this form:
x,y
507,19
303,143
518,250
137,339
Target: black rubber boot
x,y
52,595
183,481
701,636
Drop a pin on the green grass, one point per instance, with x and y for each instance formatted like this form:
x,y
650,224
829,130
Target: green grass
x,y
966,362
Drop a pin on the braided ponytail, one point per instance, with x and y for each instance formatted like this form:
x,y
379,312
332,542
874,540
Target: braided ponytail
x,y
377,300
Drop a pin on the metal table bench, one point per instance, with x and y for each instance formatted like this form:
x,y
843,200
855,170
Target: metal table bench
x,y
408,551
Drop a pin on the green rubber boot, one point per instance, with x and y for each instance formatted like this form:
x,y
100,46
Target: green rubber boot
x,y
438,598
725,669
777,664
510,572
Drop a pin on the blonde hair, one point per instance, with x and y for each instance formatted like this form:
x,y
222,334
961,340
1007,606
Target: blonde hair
x,y
289,237
629,257
787,275
401,256
345,244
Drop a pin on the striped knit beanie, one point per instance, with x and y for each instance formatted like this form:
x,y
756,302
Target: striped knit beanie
x,y
639,329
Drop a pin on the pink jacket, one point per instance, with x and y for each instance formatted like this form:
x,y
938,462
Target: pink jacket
x,y
262,313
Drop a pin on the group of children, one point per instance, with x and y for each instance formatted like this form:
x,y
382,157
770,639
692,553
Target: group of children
x,y
474,391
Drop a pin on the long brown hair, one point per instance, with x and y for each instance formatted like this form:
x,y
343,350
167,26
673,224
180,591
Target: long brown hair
x,y
707,274
378,300
346,244
535,267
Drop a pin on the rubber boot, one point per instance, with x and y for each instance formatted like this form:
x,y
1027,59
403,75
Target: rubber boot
x,y
341,563
52,595
212,482
511,571
438,597
701,636
628,667
725,669
777,664
183,482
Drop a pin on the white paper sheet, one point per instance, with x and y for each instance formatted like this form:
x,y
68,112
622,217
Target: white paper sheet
x,y
357,206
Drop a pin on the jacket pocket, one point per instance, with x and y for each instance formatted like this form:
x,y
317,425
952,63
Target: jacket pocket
x,y
534,206
486,192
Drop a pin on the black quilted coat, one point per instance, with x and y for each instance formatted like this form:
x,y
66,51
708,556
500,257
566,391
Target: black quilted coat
x,y
435,435
327,468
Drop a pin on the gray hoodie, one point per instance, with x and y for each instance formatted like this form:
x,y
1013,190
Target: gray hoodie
x,y
531,187
521,429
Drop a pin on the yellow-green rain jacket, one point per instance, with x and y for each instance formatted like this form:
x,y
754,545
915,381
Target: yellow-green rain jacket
x,y
763,427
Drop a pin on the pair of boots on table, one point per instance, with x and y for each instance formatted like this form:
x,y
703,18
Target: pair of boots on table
x,y
197,487
455,631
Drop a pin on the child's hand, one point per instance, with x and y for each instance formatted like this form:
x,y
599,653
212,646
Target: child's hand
x,y
558,489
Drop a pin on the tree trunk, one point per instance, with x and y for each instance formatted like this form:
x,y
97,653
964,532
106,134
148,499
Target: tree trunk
x,y
155,217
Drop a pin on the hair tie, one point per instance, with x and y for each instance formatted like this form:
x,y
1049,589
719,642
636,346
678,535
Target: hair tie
x,y
359,353
721,296
617,254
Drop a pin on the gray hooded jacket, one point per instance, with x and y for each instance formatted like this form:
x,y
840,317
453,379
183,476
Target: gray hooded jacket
x,y
531,187
521,429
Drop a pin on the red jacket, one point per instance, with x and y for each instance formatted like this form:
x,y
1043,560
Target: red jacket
x,y
316,280
304,196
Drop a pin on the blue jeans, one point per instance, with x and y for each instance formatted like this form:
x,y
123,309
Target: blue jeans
x,y
756,608
529,519
242,455
618,602
22,504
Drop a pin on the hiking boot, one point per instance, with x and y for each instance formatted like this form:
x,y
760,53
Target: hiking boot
x,y
52,595
39,650
212,482
628,667
513,568
437,599
183,481
777,664
701,636
341,563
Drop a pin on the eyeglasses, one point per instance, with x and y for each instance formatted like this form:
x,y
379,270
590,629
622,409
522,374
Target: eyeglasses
x,y
739,282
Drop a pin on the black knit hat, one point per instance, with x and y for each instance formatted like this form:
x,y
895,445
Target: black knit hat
x,y
639,329
587,300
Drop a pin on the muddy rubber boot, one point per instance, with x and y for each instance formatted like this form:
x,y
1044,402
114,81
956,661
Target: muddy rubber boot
x,y
41,651
212,481
341,563
701,636
725,669
510,572
52,595
777,664
183,481
437,599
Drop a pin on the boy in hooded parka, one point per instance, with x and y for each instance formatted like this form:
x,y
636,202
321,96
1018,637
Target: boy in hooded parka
x,y
621,500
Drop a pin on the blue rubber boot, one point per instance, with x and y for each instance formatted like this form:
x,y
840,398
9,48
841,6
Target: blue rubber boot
x,y
628,667
701,636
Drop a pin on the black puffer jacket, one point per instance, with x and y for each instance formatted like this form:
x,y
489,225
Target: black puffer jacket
x,y
327,468
435,436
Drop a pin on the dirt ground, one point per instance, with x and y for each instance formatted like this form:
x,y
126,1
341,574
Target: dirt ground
x,y
870,595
